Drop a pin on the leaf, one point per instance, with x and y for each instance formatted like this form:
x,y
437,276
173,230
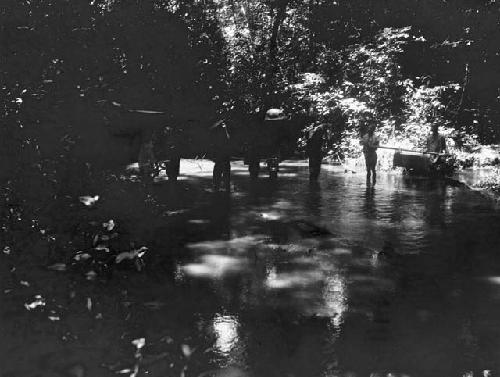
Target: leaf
x,y
102,248
187,351
39,301
89,200
126,255
83,256
124,371
109,226
131,254
139,343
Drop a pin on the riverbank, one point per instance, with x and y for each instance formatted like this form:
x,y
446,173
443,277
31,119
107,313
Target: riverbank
x,y
485,180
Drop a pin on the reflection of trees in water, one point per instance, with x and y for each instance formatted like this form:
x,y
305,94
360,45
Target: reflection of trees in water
x,y
281,342
267,310
219,211
276,331
313,199
434,208
369,205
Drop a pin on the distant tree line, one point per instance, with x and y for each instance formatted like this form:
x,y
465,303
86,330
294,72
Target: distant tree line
x,y
408,62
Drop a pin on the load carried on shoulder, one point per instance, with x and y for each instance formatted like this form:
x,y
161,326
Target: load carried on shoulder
x,y
435,160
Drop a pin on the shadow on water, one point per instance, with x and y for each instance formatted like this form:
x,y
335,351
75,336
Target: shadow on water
x,y
287,278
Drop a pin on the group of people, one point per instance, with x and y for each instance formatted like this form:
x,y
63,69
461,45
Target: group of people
x,y
435,147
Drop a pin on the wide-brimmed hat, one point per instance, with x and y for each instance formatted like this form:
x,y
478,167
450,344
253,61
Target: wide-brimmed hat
x,y
275,114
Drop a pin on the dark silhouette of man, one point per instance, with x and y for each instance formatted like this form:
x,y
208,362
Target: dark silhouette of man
x,y
436,143
315,138
370,143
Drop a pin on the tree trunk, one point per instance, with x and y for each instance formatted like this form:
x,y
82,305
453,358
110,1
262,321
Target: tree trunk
x,y
272,67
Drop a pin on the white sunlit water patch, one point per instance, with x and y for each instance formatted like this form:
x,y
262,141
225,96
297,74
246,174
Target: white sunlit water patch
x,y
226,331
269,216
289,175
341,251
281,280
493,280
283,204
214,266
335,299
199,221
235,244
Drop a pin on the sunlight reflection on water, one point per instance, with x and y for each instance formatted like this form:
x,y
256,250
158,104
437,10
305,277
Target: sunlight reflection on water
x,y
214,266
335,299
226,330
308,287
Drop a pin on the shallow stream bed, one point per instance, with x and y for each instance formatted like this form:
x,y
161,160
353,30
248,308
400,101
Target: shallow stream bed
x,y
278,278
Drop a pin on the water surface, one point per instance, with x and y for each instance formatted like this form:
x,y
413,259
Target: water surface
x,y
287,278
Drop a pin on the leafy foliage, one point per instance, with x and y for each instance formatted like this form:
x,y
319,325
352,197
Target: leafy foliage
x,y
373,89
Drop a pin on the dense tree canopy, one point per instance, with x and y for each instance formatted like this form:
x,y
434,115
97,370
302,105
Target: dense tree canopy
x,y
409,62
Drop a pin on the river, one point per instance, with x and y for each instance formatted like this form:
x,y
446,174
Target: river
x,y
283,278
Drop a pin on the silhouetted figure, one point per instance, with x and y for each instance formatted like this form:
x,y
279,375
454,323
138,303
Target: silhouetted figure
x,y
314,150
220,153
436,143
370,143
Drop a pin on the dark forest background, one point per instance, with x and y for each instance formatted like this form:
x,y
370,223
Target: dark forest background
x,y
67,65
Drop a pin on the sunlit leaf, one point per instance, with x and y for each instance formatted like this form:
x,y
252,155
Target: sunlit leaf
x,y
187,351
89,200
82,256
124,371
102,248
109,226
39,301
131,254
139,343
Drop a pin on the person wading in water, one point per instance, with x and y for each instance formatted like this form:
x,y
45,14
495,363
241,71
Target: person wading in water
x,y
370,143
436,143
